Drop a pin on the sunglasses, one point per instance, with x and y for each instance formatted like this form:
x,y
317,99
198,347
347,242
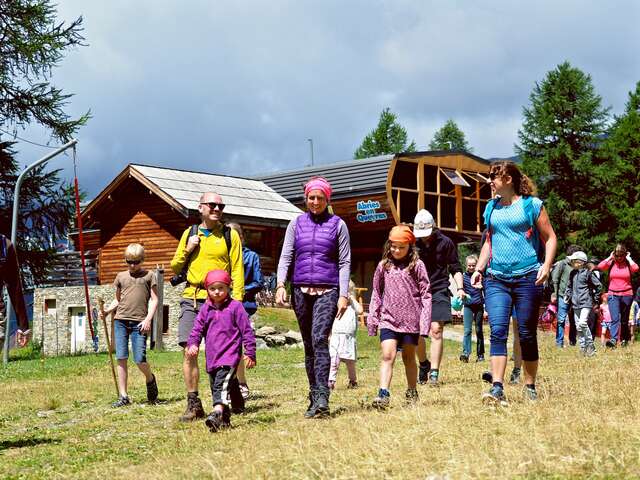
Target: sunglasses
x,y
493,176
214,205
133,262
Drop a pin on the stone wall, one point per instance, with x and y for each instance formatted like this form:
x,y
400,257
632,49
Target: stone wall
x,y
52,321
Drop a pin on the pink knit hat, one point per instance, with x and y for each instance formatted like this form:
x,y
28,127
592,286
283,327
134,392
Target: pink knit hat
x,y
217,276
318,183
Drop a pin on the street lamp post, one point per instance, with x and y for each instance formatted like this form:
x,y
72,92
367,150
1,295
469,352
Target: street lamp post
x,y
310,140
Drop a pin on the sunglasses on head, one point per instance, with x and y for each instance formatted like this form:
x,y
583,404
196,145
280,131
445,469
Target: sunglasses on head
x,y
619,254
133,262
214,205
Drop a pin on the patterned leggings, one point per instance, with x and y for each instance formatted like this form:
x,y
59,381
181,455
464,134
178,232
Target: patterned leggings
x,y
315,315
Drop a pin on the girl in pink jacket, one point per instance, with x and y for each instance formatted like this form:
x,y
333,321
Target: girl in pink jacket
x,y
400,308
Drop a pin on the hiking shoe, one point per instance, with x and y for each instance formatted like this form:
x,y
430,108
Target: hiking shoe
x,y
381,402
311,409
352,384
433,378
590,351
514,379
152,390
423,373
480,358
530,394
322,402
610,344
411,396
495,396
216,421
194,409
487,377
624,343
244,390
464,358
123,401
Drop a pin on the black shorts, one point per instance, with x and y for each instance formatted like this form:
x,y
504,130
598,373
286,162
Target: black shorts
x,y
403,338
441,306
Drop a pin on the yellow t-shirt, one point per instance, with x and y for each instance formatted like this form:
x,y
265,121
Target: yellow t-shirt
x,y
211,254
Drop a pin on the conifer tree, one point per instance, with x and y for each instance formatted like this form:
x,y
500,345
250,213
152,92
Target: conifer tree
x,y
388,137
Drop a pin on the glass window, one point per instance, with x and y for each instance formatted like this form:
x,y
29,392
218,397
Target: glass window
x,y
454,177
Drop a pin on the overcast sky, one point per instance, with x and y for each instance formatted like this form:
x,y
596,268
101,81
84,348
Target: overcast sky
x,y
238,87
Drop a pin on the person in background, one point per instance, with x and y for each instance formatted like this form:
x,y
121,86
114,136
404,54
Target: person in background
x,y
559,279
342,345
473,313
10,276
605,319
252,285
592,320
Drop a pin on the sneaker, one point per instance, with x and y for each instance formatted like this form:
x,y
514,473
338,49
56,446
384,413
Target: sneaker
x,y
411,396
515,376
433,378
381,402
194,409
530,394
464,358
480,358
610,344
495,396
123,401
423,373
216,421
352,384
244,390
590,351
152,390
487,377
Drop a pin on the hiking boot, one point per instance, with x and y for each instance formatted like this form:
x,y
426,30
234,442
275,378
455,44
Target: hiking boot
x,y
487,377
423,373
411,396
514,379
495,396
152,390
244,390
352,384
311,410
480,358
381,402
464,358
322,402
216,421
123,401
530,394
433,378
194,409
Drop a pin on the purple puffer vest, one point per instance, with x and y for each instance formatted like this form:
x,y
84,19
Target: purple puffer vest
x,y
316,250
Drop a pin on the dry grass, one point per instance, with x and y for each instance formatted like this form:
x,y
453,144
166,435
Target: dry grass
x,y
56,422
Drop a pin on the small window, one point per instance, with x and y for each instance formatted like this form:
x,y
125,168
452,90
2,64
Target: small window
x,y
50,306
454,177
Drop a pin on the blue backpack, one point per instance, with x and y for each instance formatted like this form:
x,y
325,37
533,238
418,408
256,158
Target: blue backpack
x,y
532,234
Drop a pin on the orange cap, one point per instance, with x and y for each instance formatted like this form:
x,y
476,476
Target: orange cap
x,y
402,234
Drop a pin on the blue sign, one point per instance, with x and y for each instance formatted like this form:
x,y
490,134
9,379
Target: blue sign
x,y
368,212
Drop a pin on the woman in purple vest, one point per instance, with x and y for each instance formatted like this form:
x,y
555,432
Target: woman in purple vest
x,y
317,244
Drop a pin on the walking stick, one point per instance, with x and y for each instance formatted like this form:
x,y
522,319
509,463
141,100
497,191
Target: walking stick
x,y
103,316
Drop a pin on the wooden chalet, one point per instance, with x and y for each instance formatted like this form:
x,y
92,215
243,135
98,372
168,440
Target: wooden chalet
x,y
374,194
153,206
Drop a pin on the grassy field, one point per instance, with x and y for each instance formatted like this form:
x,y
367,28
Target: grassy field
x,y
56,422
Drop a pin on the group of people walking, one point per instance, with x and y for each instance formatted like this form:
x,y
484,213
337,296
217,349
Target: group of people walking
x,y
411,297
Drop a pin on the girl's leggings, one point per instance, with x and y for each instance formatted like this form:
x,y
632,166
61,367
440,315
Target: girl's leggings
x,y
316,314
525,296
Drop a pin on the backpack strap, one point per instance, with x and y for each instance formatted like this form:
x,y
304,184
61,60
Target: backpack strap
x,y
3,246
226,233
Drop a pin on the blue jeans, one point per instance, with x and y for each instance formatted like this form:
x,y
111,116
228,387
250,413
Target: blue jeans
x,y
123,329
472,315
619,307
523,294
563,310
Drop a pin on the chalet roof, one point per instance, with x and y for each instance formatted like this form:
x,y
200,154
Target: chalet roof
x,y
366,175
182,189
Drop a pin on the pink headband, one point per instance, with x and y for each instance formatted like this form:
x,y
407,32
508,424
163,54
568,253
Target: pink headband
x,y
217,276
318,183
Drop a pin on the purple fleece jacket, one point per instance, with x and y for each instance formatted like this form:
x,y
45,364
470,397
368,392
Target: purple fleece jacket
x,y
226,330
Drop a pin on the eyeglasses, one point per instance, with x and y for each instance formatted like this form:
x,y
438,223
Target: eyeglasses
x,y
133,262
214,205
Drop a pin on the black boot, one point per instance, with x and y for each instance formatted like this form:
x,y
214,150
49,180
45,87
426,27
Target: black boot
x,y
322,401
311,410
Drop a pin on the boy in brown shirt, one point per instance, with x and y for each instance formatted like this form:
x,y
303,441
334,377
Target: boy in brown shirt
x,y
134,312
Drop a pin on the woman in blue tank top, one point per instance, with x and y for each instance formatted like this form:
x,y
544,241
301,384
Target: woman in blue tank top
x,y
517,255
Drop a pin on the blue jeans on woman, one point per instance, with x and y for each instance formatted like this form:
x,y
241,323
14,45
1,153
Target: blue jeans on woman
x,y
619,308
472,315
523,294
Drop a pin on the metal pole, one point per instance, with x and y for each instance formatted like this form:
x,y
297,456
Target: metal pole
x,y
310,140
14,230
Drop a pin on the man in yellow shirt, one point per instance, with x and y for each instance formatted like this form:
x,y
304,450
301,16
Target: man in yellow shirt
x,y
206,250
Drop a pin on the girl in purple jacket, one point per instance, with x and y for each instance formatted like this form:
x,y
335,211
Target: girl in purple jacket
x,y
225,325
401,308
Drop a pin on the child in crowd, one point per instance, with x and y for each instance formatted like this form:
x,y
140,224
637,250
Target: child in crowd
x,y
400,308
134,312
605,319
582,293
225,325
342,345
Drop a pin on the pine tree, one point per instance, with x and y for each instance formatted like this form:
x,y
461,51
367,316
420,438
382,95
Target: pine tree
x,y
450,137
388,137
562,130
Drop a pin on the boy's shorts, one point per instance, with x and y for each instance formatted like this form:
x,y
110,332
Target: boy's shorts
x,y
123,329
402,338
441,306
606,326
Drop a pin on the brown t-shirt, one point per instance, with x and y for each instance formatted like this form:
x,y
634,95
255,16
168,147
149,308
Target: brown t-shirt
x,y
135,291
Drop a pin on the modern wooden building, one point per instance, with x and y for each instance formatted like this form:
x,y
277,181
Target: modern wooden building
x,y
153,206
374,194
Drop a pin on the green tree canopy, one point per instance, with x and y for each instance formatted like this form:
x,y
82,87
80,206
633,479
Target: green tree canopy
x,y
388,137
562,130
450,137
